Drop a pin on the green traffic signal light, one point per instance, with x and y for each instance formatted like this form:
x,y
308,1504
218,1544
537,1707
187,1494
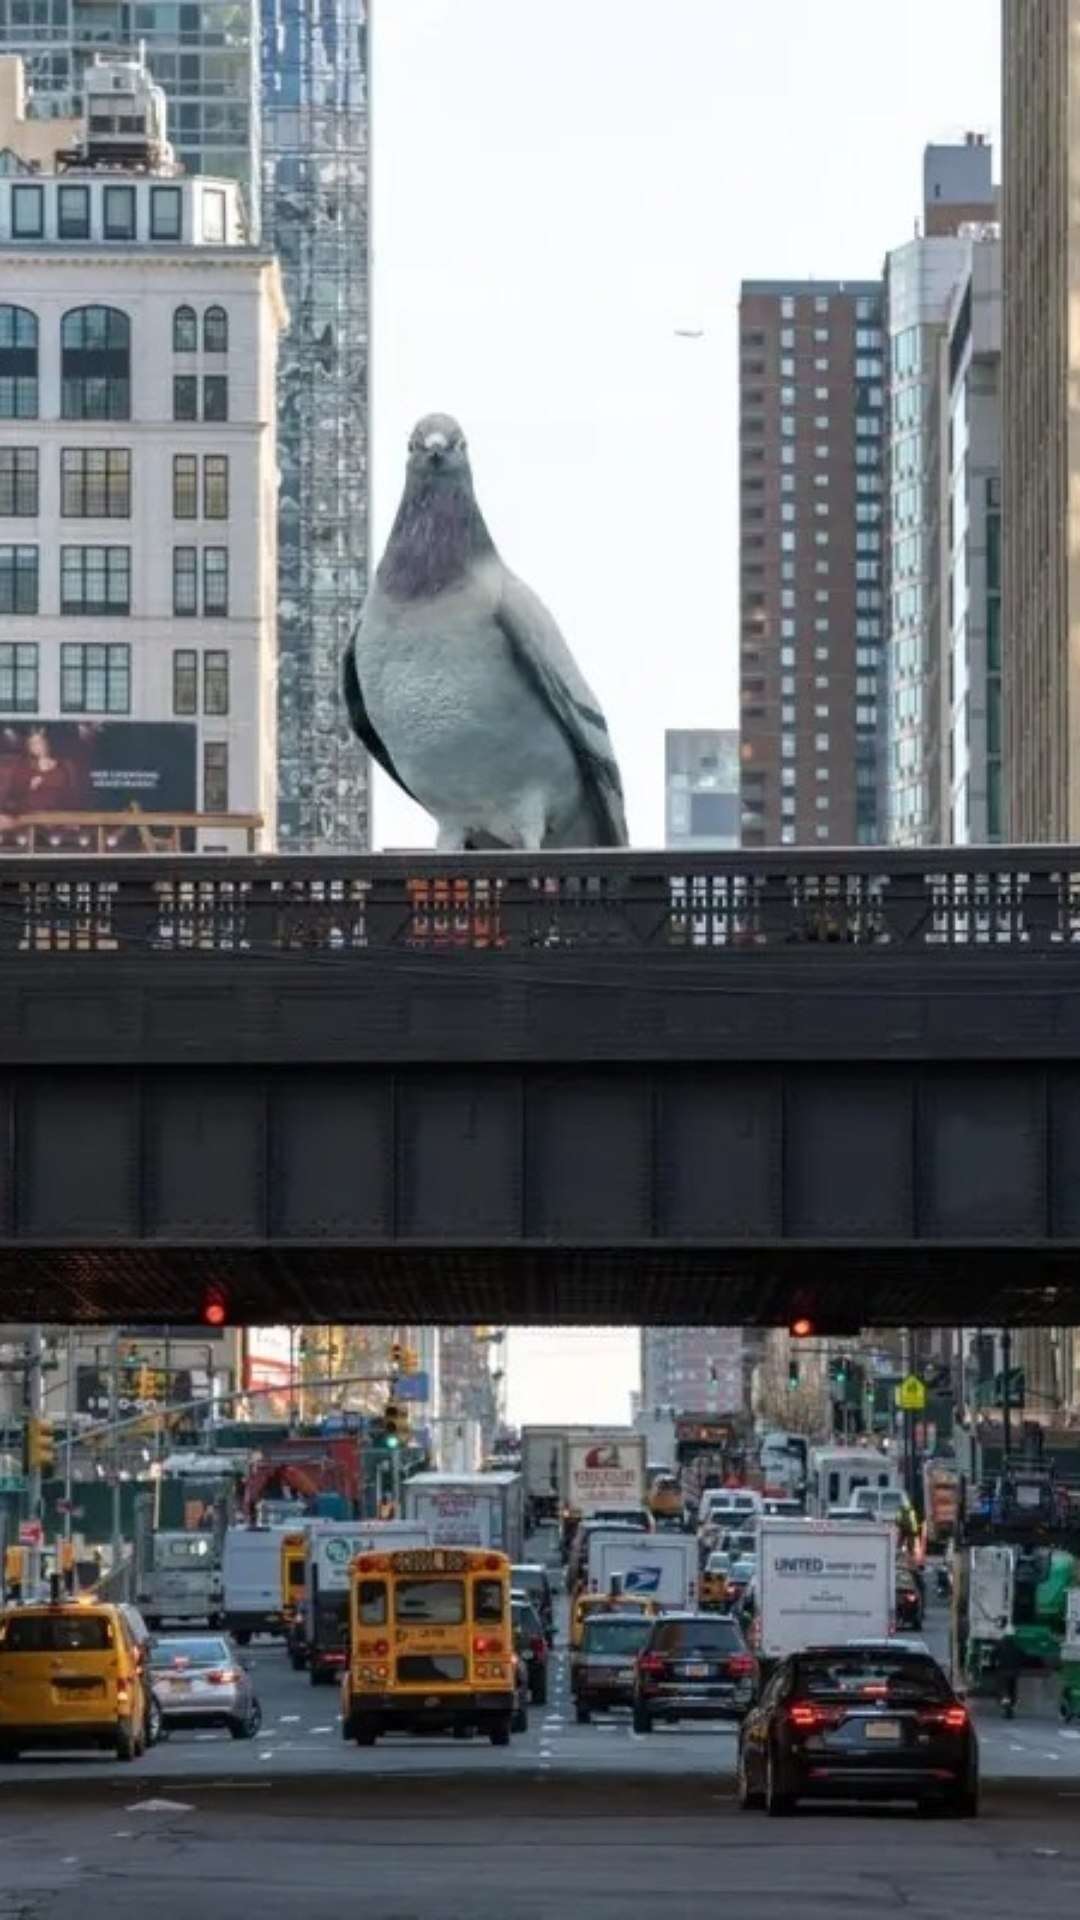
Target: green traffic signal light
x,y
392,1442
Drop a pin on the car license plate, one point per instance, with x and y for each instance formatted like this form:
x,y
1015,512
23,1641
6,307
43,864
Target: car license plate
x,y
624,1676
178,1686
695,1670
883,1730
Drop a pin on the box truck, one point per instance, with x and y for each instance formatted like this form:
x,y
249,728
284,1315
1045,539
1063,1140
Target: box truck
x,y
662,1567
817,1584
319,1636
468,1509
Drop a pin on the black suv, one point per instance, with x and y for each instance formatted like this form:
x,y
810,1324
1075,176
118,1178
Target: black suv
x,y
531,1578
693,1666
876,1722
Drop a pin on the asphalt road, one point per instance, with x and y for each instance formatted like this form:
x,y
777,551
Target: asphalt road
x,y
599,1846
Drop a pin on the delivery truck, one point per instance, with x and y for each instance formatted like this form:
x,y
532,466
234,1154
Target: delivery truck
x,y
662,1567
319,1635
818,1584
468,1510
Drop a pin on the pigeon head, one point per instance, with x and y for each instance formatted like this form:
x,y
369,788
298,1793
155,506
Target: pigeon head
x,y
439,531
437,449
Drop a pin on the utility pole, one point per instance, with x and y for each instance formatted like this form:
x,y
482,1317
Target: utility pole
x,y
1006,1395
69,1429
34,1398
114,1415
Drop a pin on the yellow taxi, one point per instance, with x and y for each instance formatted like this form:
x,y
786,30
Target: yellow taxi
x,y
712,1587
588,1604
71,1675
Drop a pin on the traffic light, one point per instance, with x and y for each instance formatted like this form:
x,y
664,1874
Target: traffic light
x,y
410,1360
40,1445
215,1310
801,1329
793,1373
145,1384
396,1353
392,1419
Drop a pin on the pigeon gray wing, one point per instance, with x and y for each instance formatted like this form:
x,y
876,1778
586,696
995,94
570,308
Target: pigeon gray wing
x,y
360,719
543,656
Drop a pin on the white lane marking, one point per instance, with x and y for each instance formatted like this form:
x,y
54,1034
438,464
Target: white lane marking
x,y
69,1860
267,1753
160,1806
125,1833
320,1729
288,1717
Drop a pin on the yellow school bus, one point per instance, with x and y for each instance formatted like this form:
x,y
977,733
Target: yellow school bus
x,y
430,1645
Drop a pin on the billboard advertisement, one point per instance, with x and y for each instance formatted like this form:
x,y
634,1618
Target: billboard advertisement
x,y
98,766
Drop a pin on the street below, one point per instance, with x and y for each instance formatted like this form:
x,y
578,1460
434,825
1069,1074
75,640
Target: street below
x,y
569,1820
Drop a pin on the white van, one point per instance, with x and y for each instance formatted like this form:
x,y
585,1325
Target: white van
x,y
729,1507
837,1474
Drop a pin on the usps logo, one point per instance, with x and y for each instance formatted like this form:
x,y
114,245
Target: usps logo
x,y
642,1580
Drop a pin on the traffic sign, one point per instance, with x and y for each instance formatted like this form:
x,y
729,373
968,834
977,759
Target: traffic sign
x,y
12,1483
31,1533
68,1506
411,1386
911,1394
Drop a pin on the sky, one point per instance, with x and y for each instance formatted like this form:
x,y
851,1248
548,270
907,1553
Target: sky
x,y
560,185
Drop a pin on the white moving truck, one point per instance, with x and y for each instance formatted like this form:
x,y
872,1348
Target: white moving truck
x,y
605,1472
468,1510
650,1566
821,1585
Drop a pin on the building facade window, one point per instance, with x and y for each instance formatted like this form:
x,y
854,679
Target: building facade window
x,y
213,216
215,396
119,213
215,330
185,330
216,486
165,213
18,364
185,397
18,482
95,364
95,580
185,680
18,579
95,483
215,776
27,213
73,213
215,580
185,486
215,681
18,677
95,678
185,576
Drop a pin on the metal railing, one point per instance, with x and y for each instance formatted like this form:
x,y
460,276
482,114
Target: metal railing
x,y
878,900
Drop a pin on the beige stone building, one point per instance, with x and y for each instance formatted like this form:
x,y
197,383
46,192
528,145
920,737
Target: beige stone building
x,y
1041,418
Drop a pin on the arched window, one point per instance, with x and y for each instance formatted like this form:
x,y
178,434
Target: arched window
x,y
95,364
18,364
215,330
185,330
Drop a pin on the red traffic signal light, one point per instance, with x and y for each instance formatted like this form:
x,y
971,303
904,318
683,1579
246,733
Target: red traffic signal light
x,y
215,1311
801,1329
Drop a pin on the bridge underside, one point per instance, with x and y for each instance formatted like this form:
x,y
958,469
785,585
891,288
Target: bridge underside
x,y
844,1287
937,1193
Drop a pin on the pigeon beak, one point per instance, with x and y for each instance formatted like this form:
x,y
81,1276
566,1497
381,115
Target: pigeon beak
x,y
435,445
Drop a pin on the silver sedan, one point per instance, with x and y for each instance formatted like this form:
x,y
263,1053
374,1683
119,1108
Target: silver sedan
x,y
200,1680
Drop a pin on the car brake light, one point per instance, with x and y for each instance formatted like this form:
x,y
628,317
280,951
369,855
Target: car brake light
x,y
539,1646
381,1649
651,1663
804,1714
487,1643
954,1717
223,1676
741,1663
